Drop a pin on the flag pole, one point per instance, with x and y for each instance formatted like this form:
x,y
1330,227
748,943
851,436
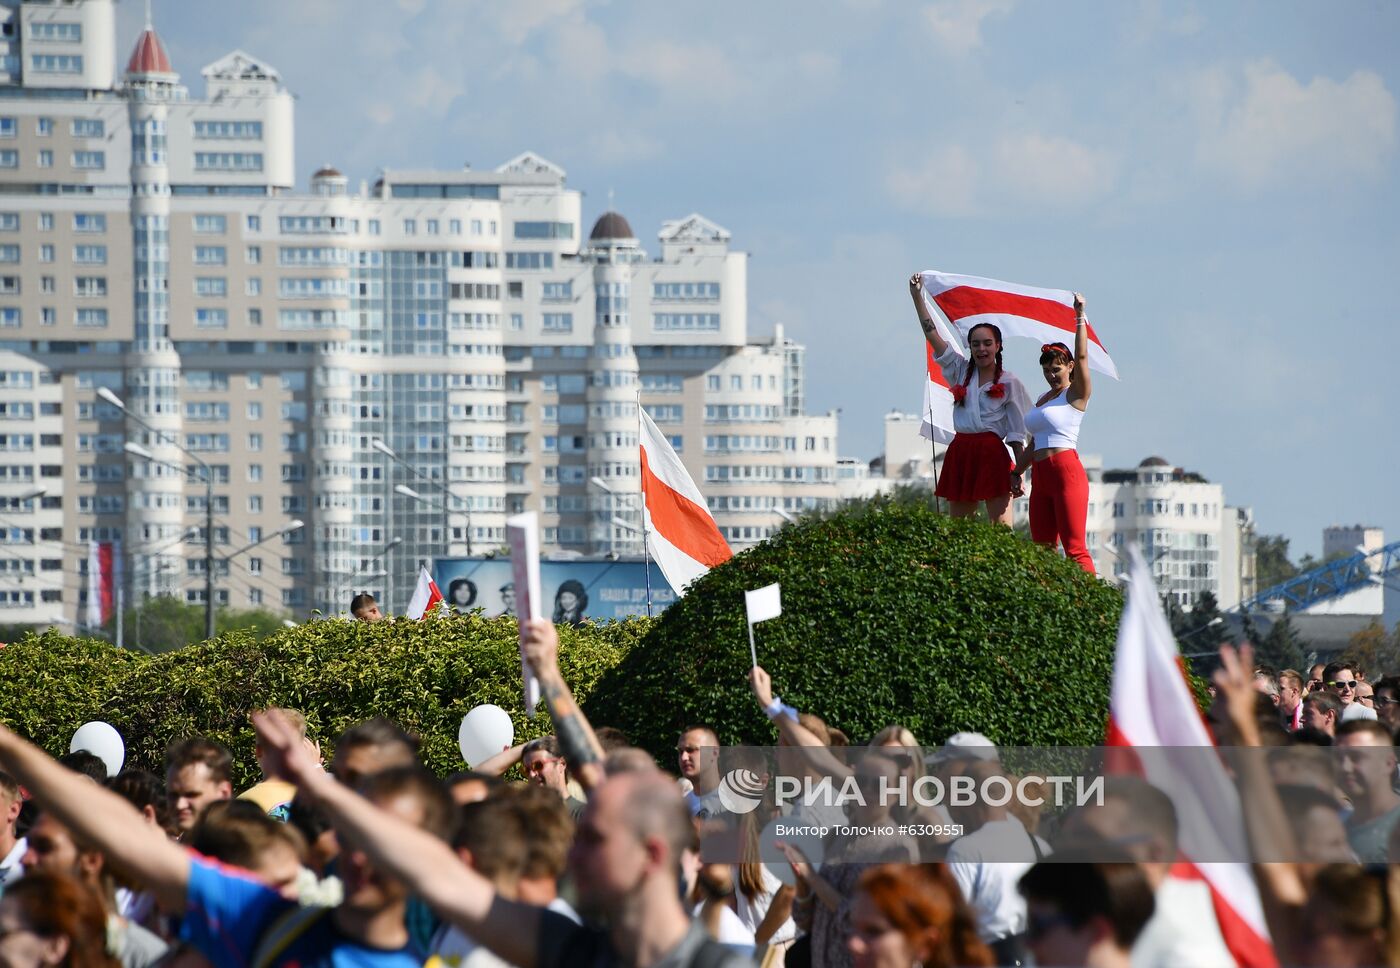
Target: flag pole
x,y
753,652
646,539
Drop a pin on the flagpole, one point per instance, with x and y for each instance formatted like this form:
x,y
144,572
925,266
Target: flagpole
x,y
646,542
753,652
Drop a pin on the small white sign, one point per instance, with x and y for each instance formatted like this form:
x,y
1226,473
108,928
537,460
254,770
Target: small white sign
x,y
523,534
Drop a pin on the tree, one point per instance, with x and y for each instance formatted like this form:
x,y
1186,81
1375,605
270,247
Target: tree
x,y
164,623
1374,652
892,613
1271,563
1281,648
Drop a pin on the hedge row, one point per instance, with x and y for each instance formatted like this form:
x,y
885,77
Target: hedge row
x,y
423,675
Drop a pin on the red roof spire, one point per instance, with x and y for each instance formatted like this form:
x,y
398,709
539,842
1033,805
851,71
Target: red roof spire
x,y
149,55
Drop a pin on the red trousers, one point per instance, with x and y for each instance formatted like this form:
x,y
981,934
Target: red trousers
x,y
1060,505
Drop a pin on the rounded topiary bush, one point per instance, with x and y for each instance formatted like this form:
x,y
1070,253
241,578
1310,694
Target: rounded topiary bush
x,y
424,676
892,613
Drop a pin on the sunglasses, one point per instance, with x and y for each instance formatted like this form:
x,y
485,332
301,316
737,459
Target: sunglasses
x,y
1386,701
1315,683
1342,684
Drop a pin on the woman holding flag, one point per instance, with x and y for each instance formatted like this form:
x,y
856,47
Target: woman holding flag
x,y
1059,487
988,417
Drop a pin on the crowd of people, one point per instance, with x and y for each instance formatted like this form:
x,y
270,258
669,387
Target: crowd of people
x,y
600,856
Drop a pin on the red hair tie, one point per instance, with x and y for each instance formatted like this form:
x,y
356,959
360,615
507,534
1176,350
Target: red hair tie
x,y
996,391
959,394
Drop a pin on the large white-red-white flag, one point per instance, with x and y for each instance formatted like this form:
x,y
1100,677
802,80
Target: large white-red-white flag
x,y
1153,716
682,537
426,596
1044,315
104,577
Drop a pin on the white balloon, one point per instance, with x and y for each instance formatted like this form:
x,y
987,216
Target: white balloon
x,y
485,731
102,741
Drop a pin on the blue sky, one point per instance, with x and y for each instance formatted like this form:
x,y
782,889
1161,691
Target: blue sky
x,y
1220,180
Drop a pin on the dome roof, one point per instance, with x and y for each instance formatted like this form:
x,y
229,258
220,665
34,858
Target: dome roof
x,y
327,171
1155,462
611,226
149,56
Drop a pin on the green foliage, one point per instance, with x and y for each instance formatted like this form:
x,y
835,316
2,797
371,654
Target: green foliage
x,y
893,613
423,675
164,623
1271,562
1281,647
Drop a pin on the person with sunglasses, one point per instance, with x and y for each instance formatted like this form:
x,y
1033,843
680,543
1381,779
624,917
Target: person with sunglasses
x,y
1059,486
1340,680
1387,699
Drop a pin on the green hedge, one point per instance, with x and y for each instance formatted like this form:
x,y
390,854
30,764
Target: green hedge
x,y
892,613
423,675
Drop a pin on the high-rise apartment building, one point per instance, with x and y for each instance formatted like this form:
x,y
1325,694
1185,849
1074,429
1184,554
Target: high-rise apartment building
x,y
398,367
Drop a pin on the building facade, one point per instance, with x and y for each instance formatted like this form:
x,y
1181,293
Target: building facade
x,y
1194,541
373,377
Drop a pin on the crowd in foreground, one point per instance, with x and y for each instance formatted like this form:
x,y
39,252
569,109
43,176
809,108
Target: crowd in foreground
x,y
600,857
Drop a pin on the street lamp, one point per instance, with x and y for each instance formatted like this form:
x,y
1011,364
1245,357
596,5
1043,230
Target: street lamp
x,y
32,493
465,504
360,572
141,452
785,515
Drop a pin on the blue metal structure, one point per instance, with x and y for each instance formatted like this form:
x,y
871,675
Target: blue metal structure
x,y
1331,580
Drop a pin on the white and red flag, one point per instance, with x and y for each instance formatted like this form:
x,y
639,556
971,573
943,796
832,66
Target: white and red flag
x,y
1154,718
104,565
937,422
426,597
1044,315
681,535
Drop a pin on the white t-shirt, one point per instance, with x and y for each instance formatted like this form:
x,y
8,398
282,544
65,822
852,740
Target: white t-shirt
x,y
752,912
988,865
732,931
1182,930
10,868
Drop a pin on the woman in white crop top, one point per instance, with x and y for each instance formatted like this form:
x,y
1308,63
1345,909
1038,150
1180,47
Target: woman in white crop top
x,y
1059,487
988,415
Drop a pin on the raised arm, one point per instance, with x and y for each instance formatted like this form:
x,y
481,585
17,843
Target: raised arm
x,y
425,864
931,333
1080,384
501,762
581,746
1281,886
817,755
101,818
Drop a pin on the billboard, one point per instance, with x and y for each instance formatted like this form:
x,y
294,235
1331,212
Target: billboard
x,y
571,590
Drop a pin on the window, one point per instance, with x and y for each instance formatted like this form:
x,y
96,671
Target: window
x,y
514,290
228,130
8,128
210,318
557,291
210,255
252,286
454,226
255,442
736,382
685,322
410,226
56,64
90,160
90,317
517,321
210,286
228,161
45,158
255,473
253,255
90,286
254,507
712,382
254,223
544,230
433,226
89,255
9,221
9,158
255,411
9,317
558,322
373,226
89,222
71,33
88,128
674,291
529,260
211,224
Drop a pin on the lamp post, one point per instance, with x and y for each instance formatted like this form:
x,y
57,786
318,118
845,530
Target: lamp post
x,y
137,450
360,572
466,505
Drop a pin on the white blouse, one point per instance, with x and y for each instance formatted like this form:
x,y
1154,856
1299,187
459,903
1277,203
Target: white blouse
x,y
1005,417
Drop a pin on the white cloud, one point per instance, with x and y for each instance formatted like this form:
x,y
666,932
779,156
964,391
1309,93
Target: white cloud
x,y
957,24
1268,128
1014,173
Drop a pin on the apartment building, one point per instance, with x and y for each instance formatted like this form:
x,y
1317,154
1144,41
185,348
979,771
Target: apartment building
x,y
369,377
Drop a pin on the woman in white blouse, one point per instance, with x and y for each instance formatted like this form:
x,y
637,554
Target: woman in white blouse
x,y
989,407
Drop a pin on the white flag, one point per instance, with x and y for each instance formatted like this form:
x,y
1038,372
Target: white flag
x,y
763,603
523,534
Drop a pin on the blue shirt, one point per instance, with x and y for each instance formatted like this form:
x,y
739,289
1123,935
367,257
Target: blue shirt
x,y
227,912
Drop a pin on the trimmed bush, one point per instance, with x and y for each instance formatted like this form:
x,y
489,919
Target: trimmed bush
x,y
423,675
892,613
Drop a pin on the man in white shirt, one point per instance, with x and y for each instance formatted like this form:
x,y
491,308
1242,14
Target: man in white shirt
x,y
988,863
1137,818
697,757
12,846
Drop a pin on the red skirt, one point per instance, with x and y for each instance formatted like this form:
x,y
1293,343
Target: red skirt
x,y
977,467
